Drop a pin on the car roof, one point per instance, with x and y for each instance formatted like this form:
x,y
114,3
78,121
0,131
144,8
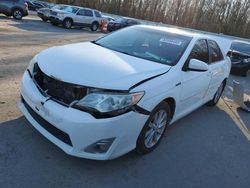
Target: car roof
x,y
82,8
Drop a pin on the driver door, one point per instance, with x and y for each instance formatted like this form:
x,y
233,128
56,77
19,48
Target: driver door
x,y
195,83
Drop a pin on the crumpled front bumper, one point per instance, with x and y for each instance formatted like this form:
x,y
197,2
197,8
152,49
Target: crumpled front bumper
x,y
81,128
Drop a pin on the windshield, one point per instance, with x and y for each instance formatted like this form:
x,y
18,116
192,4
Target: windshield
x,y
71,9
241,47
150,44
119,20
59,7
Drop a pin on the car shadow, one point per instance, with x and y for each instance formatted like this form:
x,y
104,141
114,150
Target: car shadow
x,y
196,147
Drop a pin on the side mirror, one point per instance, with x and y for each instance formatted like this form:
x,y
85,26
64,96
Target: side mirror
x,y
197,65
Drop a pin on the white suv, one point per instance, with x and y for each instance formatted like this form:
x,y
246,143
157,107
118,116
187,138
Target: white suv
x,y
76,16
102,99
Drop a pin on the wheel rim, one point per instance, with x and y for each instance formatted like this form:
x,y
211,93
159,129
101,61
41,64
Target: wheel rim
x,y
218,93
94,27
68,24
17,14
155,129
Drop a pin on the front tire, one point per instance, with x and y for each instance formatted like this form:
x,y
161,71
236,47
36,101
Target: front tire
x,y
154,129
67,23
17,14
217,95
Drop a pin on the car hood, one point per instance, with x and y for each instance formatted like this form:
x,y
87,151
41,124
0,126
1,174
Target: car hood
x,y
60,11
91,65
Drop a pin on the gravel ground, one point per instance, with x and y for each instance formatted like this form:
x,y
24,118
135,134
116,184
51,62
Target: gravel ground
x,y
208,148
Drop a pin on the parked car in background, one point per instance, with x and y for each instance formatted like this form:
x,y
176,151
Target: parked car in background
x,y
102,99
108,18
76,16
121,23
31,5
36,5
44,13
240,57
16,8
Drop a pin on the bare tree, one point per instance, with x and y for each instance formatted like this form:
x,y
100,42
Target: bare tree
x,y
226,16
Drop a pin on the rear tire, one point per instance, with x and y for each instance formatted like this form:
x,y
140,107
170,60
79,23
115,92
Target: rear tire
x,y
94,26
153,130
67,23
17,14
217,95
44,19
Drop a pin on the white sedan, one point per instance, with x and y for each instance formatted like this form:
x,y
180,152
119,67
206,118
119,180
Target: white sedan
x,y
102,99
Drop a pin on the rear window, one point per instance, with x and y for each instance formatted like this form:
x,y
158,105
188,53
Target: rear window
x,y
146,43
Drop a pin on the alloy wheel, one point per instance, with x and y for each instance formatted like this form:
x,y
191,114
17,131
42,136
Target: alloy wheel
x,y
155,129
17,14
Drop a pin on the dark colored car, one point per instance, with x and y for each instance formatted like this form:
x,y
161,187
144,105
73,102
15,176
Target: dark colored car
x,y
16,8
240,57
121,23
31,5
36,5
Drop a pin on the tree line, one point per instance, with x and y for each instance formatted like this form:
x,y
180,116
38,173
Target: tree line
x,y
230,17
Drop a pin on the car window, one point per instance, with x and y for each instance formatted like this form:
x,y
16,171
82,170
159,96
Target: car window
x,y
88,13
145,43
81,12
215,52
200,51
98,14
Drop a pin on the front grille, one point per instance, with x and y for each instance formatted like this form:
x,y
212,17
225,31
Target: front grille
x,y
47,126
62,92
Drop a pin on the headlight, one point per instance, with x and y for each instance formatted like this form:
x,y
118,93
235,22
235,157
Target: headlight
x,y
60,15
31,65
247,60
107,103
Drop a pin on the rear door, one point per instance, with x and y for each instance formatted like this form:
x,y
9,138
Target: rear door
x,y
217,67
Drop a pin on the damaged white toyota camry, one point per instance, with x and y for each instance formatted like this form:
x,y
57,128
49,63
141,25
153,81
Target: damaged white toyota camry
x,y
102,99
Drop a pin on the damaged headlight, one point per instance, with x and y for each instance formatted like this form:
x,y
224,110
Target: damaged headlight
x,y
247,60
30,67
108,104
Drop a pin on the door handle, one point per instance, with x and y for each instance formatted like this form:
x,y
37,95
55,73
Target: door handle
x,y
178,84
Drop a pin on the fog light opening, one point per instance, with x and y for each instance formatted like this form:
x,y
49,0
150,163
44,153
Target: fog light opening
x,y
101,146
